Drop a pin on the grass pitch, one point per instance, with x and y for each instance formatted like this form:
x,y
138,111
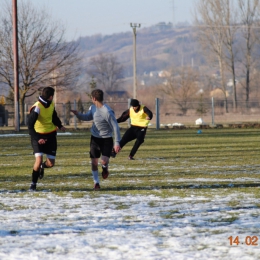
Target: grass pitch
x,y
169,163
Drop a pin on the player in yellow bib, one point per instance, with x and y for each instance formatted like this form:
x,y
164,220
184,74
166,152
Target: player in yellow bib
x,y
43,122
140,117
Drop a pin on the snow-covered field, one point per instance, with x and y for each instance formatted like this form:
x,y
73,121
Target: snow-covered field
x,y
43,225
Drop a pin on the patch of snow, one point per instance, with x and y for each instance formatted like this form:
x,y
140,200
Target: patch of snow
x,y
199,121
47,226
177,124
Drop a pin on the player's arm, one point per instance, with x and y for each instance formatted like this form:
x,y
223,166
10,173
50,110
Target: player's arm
x,y
113,123
83,117
149,113
124,116
31,120
56,121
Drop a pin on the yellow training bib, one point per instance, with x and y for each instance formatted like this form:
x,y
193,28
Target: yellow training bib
x,y
139,118
44,124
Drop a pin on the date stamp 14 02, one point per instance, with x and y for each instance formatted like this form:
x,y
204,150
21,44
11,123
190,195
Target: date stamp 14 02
x,y
248,240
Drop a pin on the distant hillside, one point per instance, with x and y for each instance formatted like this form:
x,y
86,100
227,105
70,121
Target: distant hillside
x,y
157,47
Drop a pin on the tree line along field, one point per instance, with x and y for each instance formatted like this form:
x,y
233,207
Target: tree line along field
x,y
169,163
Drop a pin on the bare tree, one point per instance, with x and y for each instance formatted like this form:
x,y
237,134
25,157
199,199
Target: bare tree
x,y
45,58
181,87
229,25
107,71
250,16
223,14
211,37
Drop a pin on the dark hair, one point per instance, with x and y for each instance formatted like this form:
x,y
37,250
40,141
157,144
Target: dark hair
x,y
97,94
134,103
48,92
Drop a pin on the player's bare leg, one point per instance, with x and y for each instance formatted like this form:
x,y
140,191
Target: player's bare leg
x,y
104,163
49,163
35,173
94,167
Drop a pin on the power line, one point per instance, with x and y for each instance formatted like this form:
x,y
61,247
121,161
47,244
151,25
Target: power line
x,y
225,26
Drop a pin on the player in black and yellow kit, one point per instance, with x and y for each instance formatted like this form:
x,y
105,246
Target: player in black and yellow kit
x,y
140,117
42,124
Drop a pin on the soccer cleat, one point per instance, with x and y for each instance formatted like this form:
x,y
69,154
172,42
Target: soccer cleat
x,y
131,157
105,172
33,187
113,153
96,186
41,172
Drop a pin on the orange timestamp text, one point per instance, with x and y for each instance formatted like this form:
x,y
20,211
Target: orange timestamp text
x,y
248,240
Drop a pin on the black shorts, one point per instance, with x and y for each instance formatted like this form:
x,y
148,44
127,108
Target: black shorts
x,y
50,147
100,146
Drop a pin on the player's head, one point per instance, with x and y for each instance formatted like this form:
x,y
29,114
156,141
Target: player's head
x,y
134,103
48,92
97,94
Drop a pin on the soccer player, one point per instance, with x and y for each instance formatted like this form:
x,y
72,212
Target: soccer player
x,y
42,124
101,141
140,117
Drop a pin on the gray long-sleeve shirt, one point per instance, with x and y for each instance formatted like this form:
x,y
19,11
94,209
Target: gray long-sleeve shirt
x,y
104,122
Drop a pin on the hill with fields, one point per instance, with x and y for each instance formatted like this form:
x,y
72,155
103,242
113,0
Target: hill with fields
x,y
158,48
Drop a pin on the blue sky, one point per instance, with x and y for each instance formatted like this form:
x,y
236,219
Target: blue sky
x,y
90,17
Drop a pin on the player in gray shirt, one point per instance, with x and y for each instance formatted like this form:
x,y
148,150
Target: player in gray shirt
x,y
101,142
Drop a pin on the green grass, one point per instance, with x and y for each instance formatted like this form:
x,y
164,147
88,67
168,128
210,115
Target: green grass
x,y
169,163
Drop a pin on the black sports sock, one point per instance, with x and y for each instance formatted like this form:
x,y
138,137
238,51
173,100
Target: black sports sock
x,y
105,167
44,165
35,176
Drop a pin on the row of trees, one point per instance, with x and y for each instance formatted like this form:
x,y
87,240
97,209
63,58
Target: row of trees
x,y
228,31
45,57
229,36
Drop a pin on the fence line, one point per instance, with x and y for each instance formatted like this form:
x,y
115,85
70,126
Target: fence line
x,y
165,111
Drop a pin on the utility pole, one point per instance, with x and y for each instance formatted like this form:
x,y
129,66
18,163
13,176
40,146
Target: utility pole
x,y
54,79
173,14
16,72
134,26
